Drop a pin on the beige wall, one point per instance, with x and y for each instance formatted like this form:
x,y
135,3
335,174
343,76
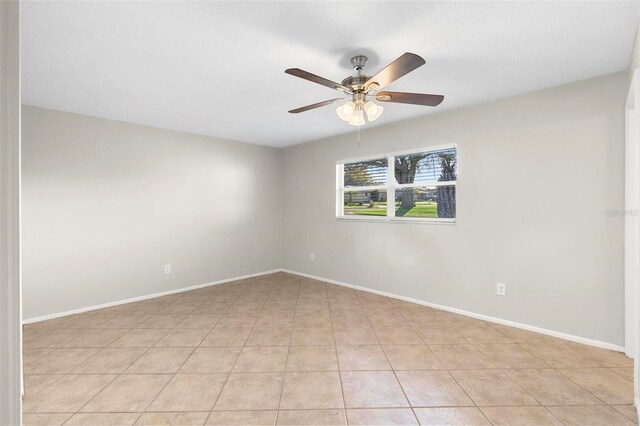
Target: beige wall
x,y
538,174
107,204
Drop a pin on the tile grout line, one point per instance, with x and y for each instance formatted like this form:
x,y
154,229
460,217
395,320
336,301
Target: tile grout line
x,y
284,374
241,350
335,349
389,362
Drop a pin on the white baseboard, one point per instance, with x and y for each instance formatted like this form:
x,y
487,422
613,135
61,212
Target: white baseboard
x,y
565,336
482,317
145,297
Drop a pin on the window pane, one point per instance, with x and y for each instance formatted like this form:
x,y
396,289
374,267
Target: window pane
x,y
426,167
426,202
366,173
365,203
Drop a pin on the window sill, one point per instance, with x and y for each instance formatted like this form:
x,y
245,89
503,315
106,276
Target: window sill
x,y
397,220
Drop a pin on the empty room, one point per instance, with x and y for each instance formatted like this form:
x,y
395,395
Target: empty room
x,y
319,212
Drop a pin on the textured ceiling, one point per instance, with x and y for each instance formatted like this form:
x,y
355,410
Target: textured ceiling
x,y
216,68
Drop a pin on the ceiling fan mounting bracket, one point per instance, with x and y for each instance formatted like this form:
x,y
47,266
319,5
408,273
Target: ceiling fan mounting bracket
x,y
359,62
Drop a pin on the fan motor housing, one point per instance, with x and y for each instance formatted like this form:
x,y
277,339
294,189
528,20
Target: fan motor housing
x,y
356,82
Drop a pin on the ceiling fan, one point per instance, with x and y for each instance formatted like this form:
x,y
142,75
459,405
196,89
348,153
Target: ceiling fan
x,y
361,88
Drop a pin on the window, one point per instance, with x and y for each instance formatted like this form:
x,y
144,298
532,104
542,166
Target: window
x,y
418,185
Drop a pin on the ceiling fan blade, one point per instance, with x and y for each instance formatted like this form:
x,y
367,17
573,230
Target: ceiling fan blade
x,y
406,63
317,79
410,98
316,105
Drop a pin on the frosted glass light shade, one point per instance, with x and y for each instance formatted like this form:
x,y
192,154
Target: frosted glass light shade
x,y
357,118
373,110
346,110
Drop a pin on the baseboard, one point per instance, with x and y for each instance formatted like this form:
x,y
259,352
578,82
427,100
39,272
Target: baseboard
x,y
145,297
482,317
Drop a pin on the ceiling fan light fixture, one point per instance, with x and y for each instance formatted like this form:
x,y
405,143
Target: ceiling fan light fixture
x,y
357,118
373,110
346,110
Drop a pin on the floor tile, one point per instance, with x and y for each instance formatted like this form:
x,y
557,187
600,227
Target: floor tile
x,y
626,372
261,359
551,388
59,361
311,417
199,321
125,321
182,419
451,416
228,336
397,336
510,355
362,358
355,336
44,419
312,336
603,357
520,416
486,334
518,335
314,390
237,320
603,383
559,355
250,391
35,383
96,419
312,358
242,418
160,360
128,393
590,415
412,357
381,416
280,333
140,338
460,357
211,360
434,335
269,336
162,321
183,338
432,389
371,389
110,361
189,392
628,410
492,388
31,354
97,338
51,338
67,395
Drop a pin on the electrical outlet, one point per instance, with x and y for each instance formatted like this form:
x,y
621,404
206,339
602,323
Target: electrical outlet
x,y
167,269
312,257
501,289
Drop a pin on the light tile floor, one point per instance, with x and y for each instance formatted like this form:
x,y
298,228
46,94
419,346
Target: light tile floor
x,y
281,349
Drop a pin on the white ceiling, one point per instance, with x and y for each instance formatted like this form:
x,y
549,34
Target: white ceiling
x,y
216,68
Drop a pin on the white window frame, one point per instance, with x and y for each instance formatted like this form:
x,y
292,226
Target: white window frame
x,y
390,188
